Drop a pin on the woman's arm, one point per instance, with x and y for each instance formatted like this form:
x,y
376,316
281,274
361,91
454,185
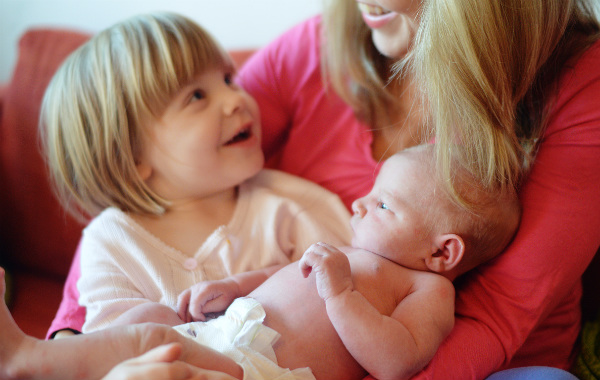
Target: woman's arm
x,y
523,308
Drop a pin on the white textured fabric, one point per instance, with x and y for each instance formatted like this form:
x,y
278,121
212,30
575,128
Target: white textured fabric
x,y
241,335
277,217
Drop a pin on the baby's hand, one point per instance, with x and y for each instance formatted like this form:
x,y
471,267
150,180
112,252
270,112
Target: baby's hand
x,y
161,363
332,269
206,297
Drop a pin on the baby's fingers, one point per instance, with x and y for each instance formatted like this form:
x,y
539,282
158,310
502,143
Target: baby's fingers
x,y
217,305
305,266
311,258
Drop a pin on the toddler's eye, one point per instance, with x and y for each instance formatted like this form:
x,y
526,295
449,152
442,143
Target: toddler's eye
x,y
197,95
229,79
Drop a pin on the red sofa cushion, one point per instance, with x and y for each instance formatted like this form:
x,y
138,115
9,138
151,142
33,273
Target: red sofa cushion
x,y
37,234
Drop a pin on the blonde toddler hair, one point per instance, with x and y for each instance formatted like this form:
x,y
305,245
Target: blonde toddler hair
x,y
92,112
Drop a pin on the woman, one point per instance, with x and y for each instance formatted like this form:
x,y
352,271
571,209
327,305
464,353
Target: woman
x,y
515,81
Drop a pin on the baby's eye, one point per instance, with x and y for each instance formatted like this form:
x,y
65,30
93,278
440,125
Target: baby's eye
x,y
382,206
228,79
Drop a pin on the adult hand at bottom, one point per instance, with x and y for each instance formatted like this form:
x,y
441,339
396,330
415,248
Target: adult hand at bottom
x,y
161,363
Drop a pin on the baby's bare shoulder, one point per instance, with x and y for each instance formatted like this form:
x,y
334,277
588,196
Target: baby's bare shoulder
x,y
431,282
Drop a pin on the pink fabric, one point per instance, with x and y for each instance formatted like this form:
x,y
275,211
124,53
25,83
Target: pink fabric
x,y
521,309
69,315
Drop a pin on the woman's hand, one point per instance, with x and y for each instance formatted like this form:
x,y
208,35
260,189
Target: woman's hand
x,y
161,363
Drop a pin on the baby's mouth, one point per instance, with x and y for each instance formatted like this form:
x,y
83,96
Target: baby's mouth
x,y
372,10
242,135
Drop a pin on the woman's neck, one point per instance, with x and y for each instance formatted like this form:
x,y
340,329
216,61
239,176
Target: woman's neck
x,y
404,126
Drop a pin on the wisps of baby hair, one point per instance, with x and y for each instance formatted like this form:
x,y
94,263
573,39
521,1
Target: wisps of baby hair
x,y
93,111
487,220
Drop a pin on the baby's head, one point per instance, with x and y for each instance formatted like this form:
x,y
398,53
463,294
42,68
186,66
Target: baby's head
x,y
410,218
94,109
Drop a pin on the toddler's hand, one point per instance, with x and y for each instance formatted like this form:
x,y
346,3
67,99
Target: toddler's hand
x,y
206,297
161,363
332,269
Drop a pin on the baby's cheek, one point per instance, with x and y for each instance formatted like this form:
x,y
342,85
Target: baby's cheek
x,y
418,233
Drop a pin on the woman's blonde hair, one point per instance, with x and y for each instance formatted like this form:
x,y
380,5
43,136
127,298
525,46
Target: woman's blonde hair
x,y
92,111
489,71
352,64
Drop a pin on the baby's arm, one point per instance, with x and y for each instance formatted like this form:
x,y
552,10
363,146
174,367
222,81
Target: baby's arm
x,y
215,296
393,347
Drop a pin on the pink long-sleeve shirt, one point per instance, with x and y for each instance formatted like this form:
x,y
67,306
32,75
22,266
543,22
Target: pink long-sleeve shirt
x,y
522,308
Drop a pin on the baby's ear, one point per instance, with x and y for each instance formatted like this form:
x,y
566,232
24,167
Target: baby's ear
x,y
450,251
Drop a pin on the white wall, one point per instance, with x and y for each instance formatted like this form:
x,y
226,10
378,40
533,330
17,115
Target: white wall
x,y
235,23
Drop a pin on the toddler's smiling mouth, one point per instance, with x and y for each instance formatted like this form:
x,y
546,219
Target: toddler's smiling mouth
x,y
242,135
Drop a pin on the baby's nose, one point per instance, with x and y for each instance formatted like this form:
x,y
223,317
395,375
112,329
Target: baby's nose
x,y
358,208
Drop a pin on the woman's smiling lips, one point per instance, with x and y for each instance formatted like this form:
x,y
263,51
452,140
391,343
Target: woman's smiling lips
x,y
375,16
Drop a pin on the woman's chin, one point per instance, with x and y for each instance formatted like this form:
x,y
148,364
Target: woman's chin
x,y
394,40
390,50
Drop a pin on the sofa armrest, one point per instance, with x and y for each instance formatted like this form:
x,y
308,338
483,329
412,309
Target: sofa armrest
x,y
3,88
37,235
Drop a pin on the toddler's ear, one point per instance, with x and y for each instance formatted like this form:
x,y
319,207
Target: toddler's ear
x,y
450,251
144,170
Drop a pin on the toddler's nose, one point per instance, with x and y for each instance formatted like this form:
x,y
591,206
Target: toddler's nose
x,y
233,102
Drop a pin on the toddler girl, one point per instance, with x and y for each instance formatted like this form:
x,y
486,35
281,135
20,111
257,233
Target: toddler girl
x,y
146,131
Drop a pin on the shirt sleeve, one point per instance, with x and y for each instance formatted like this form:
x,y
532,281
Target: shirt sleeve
x,y
323,219
501,306
107,285
308,213
70,315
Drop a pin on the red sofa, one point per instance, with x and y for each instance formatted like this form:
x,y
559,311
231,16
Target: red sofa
x,y
37,239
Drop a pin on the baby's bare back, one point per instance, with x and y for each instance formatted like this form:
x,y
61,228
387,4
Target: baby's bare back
x,y
295,310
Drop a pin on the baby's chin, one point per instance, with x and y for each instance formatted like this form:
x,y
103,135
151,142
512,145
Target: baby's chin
x,y
357,243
